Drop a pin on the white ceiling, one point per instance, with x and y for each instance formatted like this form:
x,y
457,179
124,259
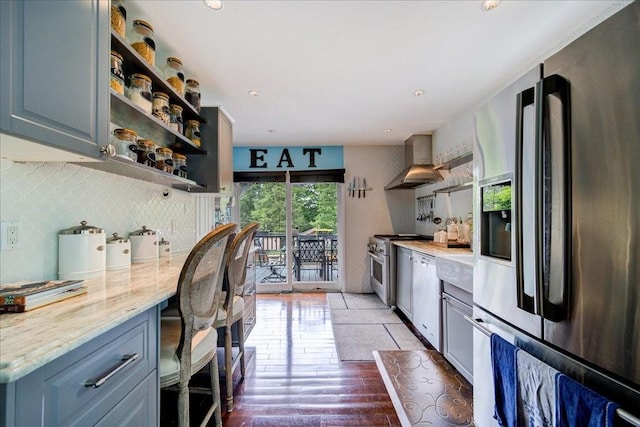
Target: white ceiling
x,y
341,72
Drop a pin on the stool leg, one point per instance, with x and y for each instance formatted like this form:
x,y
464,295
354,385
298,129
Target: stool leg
x,y
241,346
215,389
228,362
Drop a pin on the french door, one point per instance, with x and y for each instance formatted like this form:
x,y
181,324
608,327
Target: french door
x,y
298,241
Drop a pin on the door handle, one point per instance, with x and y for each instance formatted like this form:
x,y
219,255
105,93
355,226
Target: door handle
x,y
525,301
554,223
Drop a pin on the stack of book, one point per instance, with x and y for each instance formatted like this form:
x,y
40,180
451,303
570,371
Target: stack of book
x,y
20,297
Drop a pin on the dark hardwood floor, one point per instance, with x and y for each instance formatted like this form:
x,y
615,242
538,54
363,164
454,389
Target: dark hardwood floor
x,y
294,376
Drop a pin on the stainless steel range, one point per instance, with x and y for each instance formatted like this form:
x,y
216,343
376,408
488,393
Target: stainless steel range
x,y
382,264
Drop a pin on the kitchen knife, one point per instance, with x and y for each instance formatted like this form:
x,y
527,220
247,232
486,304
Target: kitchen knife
x,y
353,187
364,187
359,187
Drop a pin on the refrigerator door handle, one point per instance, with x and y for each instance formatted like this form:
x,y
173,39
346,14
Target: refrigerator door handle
x,y
525,247
554,198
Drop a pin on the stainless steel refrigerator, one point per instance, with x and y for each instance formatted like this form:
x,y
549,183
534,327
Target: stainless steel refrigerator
x,y
557,208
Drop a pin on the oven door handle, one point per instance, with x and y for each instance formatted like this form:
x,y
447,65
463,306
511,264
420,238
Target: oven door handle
x,y
376,256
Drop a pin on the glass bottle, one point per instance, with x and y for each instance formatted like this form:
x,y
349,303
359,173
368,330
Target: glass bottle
x,y
164,159
140,92
192,93
125,142
192,132
143,42
161,106
118,17
174,75
147,152
180,165
117,76
175,118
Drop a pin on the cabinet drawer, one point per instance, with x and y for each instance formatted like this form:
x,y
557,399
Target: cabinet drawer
x,y
136,409
69,400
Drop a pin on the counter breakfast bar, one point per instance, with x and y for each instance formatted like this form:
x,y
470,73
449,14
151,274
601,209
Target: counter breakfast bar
x,y
114,326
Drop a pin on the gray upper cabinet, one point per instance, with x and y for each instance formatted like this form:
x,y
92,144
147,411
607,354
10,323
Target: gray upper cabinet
x,y
214,172
54,76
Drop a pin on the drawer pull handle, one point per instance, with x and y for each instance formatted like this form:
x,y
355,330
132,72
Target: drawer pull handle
x,y
126,360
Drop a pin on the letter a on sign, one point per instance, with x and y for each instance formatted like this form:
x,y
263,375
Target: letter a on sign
x,y
285,157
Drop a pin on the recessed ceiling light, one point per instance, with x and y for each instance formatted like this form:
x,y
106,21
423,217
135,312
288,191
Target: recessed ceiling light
x,y
418,92
254,93
488,5
387,130
214,4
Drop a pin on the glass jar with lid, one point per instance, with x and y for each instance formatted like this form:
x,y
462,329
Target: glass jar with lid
x,y
118,17
117,76
143,42
192,132
192,93
147,152
161,106
180,165
174,75
140,92
164,159
125,143
175,118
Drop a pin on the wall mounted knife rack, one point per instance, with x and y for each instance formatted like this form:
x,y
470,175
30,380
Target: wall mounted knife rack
x,y
358,185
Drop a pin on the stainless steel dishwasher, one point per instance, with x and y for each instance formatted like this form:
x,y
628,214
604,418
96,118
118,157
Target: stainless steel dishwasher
x,y
456,273
426,298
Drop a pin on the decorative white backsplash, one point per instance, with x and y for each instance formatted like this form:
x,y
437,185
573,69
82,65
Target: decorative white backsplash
x,y
49,197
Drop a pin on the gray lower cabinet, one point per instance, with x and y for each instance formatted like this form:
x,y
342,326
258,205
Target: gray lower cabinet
x,y
122,365
404,278
54,77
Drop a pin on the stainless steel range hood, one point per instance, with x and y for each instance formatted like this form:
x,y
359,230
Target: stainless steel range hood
x,y
419,166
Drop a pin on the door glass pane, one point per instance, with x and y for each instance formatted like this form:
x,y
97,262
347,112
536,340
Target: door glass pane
x,y
315,239
265,203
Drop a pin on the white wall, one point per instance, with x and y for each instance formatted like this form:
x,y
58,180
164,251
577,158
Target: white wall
x,y
381,212
49,197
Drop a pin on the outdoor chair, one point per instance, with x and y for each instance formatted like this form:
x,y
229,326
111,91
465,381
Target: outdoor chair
x,y
310,256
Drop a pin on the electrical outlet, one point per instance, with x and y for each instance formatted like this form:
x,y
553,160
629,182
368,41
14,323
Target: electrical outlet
x,y
10,235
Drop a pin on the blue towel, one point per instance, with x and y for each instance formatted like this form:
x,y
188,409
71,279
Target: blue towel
x,y
503,362
577,405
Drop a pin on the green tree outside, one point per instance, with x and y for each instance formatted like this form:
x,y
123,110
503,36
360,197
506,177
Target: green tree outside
x,y
313,204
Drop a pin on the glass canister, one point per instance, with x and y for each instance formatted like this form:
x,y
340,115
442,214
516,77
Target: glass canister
x,y
147,152
180,165
164,159
143,42
118,17
125,142
174,75
140,92
161,106
192,132
117,76
175,118
192,93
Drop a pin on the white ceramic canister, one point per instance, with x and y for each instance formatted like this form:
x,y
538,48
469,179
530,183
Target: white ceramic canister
x,y
81,252
118,252
165,248
144,245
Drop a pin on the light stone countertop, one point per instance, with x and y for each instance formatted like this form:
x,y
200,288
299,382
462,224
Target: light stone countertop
x,y
31,339
431,248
